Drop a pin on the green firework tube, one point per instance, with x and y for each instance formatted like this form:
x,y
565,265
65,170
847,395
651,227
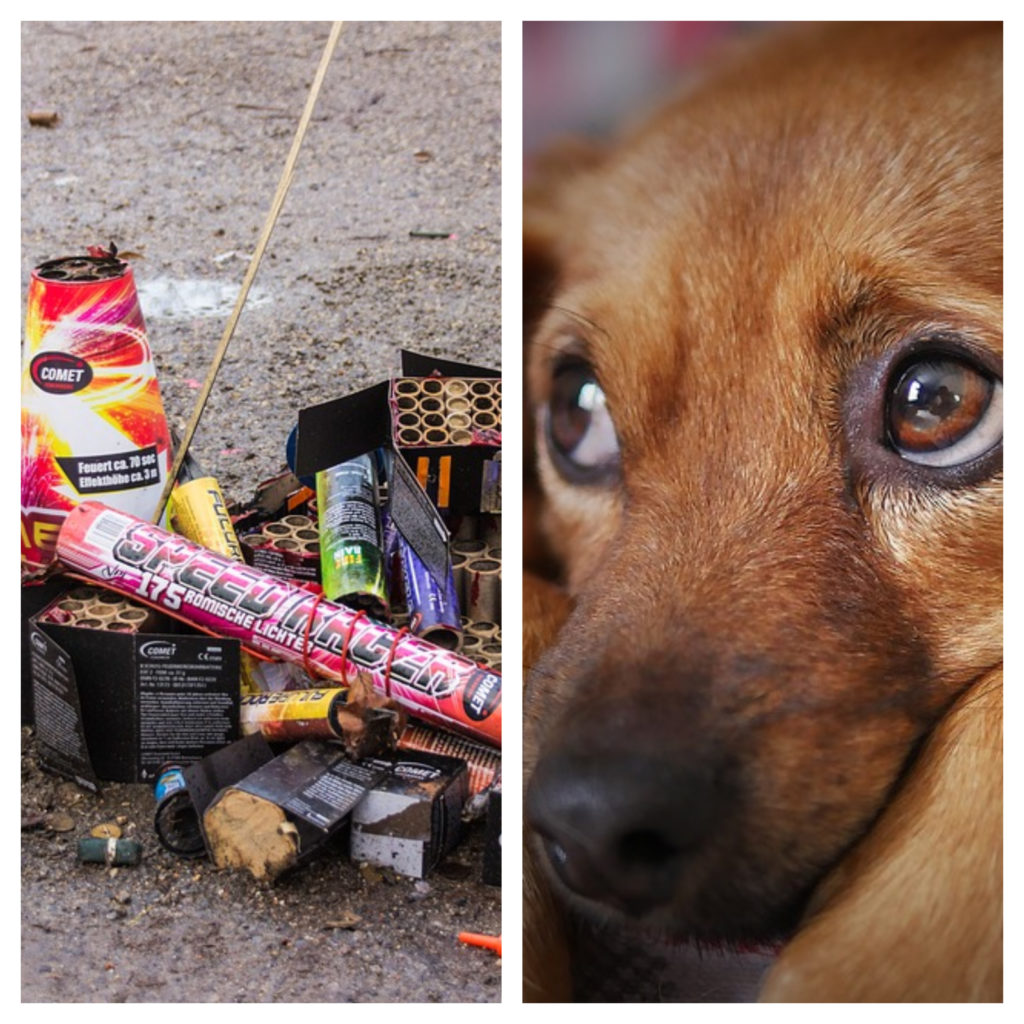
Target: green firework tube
x,y
351,555
112,852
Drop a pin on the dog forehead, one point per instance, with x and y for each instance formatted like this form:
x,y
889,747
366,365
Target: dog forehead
x,y
864,135
749,211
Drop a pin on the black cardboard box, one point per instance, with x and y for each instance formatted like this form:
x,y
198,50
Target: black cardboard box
x,y
34,598
116,706
458,478
285,811
413,816
492,838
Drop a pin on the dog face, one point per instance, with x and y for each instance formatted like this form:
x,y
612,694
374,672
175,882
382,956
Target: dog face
x,y
765,371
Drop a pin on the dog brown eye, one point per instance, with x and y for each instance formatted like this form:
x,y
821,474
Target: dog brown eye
x,y
581,435
944,412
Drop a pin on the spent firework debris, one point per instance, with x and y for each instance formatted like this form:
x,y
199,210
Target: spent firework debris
x,y
484,763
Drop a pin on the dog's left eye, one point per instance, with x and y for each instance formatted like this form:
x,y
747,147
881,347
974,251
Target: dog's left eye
x,y
944,412
580,432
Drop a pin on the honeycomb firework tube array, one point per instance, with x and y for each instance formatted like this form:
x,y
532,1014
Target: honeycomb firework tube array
x,y
96,608
288,548
478,579
274,617
92,422
445,411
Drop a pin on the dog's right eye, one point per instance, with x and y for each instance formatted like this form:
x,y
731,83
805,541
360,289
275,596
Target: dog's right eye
x,y
944,411
580,432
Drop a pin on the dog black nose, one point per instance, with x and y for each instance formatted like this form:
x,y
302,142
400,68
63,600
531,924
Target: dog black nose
x,y
618,829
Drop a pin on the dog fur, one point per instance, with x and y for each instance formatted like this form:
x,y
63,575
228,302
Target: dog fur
x,y
796,628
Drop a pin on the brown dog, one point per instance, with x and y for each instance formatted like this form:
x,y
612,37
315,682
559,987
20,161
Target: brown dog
x,y
765,370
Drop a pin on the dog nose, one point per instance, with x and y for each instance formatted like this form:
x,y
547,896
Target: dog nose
x,y
618,829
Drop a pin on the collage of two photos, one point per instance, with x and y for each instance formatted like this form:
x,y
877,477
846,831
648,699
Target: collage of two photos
x,y
272,577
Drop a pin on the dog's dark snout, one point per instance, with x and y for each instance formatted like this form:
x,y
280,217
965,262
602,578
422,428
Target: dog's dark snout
x,y
618,828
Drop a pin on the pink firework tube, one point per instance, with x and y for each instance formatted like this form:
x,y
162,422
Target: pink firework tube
x,y
274,617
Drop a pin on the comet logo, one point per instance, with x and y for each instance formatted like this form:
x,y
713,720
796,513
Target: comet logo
x,y
482,696
157,650
60,373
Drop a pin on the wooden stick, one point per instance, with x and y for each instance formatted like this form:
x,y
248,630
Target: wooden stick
x,y
275,208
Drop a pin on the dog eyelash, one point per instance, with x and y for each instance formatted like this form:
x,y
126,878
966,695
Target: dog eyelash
x,y
580,319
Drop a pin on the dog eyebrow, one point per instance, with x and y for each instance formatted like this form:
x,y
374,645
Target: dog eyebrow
x,y
865,313
862,312
853,297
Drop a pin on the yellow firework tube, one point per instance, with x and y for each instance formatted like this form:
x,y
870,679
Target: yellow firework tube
x,y
294,714
199,512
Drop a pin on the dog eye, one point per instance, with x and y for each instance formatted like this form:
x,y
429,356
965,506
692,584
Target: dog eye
x,y
944,412
581,435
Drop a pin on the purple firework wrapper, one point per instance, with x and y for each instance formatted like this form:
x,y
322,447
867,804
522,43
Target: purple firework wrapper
x,y
435,610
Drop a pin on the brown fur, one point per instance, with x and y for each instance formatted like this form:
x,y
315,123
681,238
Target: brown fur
x,y
545,609
762,589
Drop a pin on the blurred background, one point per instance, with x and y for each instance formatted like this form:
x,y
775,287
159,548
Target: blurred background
x,y
585,77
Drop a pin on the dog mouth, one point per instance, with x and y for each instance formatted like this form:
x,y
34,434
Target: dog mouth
x,y
632,901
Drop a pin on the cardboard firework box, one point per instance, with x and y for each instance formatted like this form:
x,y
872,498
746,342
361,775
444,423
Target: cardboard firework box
x,y
412,817
285,811
442,417
115,698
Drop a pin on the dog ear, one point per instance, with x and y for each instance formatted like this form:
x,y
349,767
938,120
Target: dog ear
x,y
548,179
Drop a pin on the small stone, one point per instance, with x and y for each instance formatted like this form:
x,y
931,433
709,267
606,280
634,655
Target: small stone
x,y
347,919
68,793
58,822
420,891
43,118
